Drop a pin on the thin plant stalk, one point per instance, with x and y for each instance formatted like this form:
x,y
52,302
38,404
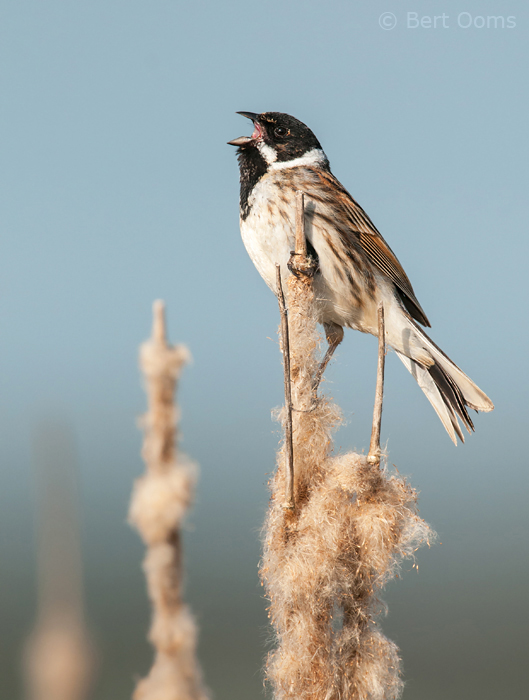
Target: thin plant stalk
x,y
290,502
374,447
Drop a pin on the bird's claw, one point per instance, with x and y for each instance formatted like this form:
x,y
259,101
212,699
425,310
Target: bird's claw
x,y
299,266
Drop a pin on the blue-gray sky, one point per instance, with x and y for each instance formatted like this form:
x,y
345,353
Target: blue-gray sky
x,y
117,188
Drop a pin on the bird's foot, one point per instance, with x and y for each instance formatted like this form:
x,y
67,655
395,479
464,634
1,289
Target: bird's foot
x,y
299,264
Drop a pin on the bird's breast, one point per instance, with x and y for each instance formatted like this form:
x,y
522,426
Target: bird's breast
x,y
268,230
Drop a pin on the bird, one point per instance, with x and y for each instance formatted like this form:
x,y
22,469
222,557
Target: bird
x,y
356,270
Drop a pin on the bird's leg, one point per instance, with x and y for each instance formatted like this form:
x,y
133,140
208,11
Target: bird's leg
x,y
334,335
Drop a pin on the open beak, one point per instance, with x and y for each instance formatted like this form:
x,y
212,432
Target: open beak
x,y
242,140
249,115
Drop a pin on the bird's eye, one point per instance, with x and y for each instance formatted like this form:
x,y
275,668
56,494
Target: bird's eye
x,y
280,131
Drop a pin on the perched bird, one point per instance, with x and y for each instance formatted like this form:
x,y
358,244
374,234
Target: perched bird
x,y
356,269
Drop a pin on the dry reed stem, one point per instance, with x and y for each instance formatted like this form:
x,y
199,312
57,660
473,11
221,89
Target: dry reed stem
x,y
373,456
325,563
290,501
160,500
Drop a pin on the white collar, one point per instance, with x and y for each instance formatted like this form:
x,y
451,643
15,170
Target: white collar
x,y
315,157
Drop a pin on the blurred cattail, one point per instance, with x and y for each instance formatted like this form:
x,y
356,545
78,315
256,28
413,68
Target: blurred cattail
x,y
160,500
326,559
58,658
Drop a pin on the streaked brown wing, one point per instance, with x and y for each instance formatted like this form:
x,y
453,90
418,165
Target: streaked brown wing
x,y
376,248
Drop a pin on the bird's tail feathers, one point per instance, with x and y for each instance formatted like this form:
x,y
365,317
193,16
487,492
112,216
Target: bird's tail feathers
x,y
442,407
446,387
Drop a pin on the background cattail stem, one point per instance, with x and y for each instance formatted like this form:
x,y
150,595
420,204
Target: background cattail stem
x,y
59,659
159,503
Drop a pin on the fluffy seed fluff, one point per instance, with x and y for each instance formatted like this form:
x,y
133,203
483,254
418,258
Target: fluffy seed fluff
x,y
324,564
160,500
